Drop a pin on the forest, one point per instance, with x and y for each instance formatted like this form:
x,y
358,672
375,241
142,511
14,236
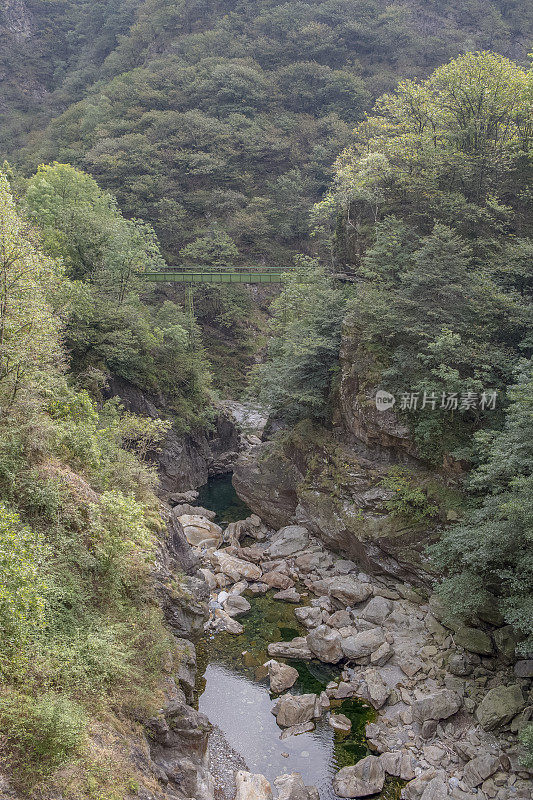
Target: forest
x,y
381,153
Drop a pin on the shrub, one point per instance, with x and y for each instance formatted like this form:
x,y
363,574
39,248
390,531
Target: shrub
x,y
44,732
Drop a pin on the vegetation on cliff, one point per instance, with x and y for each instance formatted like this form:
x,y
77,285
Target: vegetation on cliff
x,y
82,638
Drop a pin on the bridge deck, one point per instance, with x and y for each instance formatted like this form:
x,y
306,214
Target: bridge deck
x,y
250,276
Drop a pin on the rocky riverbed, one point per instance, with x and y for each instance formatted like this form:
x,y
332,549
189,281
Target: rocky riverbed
x,y
447,699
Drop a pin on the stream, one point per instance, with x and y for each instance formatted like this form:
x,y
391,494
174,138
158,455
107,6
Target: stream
x,y
233,688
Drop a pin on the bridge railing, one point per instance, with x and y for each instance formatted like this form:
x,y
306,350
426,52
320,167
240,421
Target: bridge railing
x,y
189,276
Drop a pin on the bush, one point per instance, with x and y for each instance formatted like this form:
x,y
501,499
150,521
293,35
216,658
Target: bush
x,y
43,732
410,500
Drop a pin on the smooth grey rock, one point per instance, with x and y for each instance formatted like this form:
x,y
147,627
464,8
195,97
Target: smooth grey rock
x,y
439,705
281,676
309,616
366,778
399,764
235,605
347,589
292,787
252,787
287,596
296,648
288,541
297,730
293,709
377,610
340,722
325,644
363,644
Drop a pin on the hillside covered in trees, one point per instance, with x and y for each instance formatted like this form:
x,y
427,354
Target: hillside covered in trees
x,y
221,119
380,149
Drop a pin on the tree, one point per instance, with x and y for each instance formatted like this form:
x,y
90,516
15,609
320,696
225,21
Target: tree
x,y
215,251
491,553
30,355
304,348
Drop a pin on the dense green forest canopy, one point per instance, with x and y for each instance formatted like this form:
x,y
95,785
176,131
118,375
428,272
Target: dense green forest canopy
x,y
221,118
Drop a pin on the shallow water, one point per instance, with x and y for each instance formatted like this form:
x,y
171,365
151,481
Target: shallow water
x,y
234,693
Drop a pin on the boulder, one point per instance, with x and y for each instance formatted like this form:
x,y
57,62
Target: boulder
x,y
292,787
347,589
287,596
376,610
340,722
252,787
373,688
399,764
277,580
325,644
208,577
293,709
367,777
235,568
499,706
288,541
474,640
296,648
309,616
524,668
439,705
363,644
459,665
236,605
200,531
297,730
227,623
380,656
506,640
340,619
480,768
281,676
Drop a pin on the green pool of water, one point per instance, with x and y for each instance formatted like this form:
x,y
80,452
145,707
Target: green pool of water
x,y
219,495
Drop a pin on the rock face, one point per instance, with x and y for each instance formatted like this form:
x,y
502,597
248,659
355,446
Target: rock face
x,y
439,705
499,706
366,778
252,787
178,747
280,481
184,461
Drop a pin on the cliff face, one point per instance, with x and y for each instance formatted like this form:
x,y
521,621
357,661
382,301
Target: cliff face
x,y
331,480
185,461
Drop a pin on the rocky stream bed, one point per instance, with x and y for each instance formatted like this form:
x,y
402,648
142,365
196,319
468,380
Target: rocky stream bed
x,y
324,682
